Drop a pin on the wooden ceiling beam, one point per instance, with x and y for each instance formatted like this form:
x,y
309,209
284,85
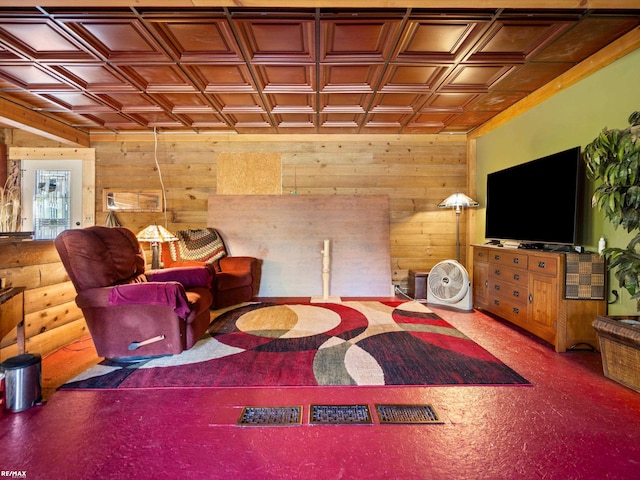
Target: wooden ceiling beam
x,y
17,116
448,4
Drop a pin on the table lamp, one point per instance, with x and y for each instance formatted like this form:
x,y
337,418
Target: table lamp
x,y
155,234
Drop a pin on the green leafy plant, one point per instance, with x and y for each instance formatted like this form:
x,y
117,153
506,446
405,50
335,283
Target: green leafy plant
x,y
613,162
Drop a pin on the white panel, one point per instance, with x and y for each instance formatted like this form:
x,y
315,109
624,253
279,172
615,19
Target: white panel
x,y
287,233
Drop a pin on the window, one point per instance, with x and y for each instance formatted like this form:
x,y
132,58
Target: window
x,y
51,196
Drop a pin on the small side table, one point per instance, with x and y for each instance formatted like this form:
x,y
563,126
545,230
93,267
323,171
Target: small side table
x,y
12,313
417,288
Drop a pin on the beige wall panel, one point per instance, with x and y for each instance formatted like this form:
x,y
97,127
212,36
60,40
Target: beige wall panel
x,y
287,233
249,173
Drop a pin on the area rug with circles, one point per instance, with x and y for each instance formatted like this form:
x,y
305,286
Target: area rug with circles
x,y
316,344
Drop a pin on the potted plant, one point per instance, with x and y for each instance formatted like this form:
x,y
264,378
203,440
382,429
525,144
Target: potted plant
x,y
613,162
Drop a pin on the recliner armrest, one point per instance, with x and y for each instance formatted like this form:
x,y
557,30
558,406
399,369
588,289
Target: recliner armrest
x,y
169,294
189,277
237,263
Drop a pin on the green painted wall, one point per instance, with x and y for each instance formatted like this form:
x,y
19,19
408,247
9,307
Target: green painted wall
x,y
573,117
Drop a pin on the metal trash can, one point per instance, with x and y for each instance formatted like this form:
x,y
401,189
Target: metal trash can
x,y
22,381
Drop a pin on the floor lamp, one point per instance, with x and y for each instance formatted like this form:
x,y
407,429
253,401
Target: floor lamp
x,y
457,201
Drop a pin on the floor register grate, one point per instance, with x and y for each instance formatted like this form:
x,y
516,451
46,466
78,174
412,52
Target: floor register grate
x,y
407,414
339,415
270,416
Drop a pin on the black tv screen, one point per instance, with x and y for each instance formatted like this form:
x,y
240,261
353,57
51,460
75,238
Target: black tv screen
x,y
537,202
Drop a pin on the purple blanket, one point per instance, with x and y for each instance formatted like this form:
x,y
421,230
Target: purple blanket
x,y
170,294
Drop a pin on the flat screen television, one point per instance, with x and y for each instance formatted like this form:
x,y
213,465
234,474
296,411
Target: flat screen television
x,y
537,202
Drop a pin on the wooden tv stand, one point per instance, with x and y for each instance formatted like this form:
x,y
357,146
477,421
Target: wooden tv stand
x,y
529,289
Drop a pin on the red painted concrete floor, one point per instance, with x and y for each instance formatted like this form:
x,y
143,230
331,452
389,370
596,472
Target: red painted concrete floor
x,y
573,423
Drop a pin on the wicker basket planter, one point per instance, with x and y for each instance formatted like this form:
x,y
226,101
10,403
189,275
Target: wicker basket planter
x,y
620,349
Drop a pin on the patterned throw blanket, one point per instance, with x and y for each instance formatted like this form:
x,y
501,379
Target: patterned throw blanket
x,y
203,245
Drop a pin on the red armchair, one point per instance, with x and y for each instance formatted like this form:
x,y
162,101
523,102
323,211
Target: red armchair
x,y
130,312
235,279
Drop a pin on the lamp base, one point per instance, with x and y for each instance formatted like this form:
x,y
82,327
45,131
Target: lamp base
x,y
329,299
155,256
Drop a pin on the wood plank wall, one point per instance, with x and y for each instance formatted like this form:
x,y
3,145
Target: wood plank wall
x,y
415,171
52,318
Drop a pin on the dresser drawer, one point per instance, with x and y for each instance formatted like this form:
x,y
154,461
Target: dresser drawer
x,y
513,275
543,264
508,310
510,292
507,258
480,254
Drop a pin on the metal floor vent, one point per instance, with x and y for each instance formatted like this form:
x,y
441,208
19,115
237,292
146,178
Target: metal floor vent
x,y
407,414
340,415
270,416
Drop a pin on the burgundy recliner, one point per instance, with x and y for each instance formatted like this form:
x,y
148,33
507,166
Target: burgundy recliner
x,y
131,313
235,279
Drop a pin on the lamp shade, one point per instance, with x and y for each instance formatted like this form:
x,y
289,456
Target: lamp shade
x,y
458,200
156,234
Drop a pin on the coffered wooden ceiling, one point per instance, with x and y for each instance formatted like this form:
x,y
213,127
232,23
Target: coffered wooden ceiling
x,y
288,70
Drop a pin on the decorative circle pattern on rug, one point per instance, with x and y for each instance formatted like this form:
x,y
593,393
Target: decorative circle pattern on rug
x,y
302,344
288,321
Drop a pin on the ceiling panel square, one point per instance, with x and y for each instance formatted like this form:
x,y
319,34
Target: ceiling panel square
x,y
452,102
397,102
117,39
32,77
345,102
95,77
158,119
204,120
350,78
478,78
116,121
515,41
78,102
531,76
250,121
367,40
183,102
222,78
286,78
341,120
130,102
495,101
199,40
158,78
432,119
295,120
239,103
278,41
412,78
437,41
291,103
41,40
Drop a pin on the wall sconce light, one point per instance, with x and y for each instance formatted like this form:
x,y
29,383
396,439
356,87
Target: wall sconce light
x,y
457,201
156,234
